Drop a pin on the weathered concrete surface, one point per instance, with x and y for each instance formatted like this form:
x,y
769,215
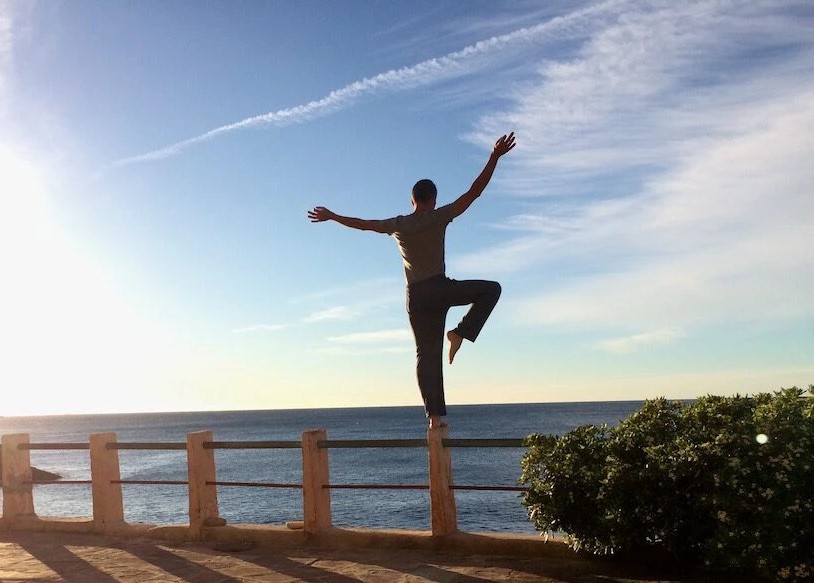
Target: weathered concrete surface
x,y
87,558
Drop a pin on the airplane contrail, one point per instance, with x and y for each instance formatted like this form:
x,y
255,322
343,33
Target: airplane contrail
x,y
457,63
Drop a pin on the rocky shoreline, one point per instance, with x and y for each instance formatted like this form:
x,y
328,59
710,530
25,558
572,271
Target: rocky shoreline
x,y
37,474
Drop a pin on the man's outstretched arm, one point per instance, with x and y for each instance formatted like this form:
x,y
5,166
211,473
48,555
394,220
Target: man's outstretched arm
x,y
502,146
320,214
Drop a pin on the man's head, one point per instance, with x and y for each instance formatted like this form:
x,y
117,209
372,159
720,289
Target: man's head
x,y
424,193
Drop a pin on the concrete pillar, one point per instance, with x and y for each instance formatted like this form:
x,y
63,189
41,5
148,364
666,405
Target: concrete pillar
x,y
442,497
18,498
203,498
316,500
108,506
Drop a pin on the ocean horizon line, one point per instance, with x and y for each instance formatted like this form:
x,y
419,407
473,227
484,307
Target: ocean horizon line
x,y
336,408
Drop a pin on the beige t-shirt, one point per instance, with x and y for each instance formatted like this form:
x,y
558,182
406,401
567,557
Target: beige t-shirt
x,y
420,237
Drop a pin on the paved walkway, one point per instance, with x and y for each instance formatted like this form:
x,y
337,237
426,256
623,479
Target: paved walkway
x,y
28,557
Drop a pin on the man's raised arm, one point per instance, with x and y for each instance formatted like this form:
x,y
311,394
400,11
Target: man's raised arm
x,y
320,214
502,146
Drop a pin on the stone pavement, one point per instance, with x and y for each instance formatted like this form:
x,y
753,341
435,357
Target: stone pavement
x,y
83,558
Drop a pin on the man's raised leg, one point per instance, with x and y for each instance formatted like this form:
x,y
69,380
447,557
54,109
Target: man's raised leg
x,y
483,296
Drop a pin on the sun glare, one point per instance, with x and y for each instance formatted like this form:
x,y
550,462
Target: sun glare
x,y
70,343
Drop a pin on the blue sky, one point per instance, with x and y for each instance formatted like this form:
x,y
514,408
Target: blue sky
x,y
651,230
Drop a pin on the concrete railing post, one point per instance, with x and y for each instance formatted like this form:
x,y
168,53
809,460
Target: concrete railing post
x,y
108,506
18,497
203,495
442,497
316,500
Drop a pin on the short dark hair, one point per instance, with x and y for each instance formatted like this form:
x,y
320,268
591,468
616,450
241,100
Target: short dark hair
x,y
424,190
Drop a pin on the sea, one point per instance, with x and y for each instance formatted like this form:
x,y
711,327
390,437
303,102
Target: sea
x,y
478,511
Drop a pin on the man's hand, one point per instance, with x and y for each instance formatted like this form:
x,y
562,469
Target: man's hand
x,y
503,145
319,214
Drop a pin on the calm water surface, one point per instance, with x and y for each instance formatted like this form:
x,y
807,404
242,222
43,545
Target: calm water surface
x,y
408,509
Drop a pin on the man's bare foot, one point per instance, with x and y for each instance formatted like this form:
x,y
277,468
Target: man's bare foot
x,y
455,341
436,422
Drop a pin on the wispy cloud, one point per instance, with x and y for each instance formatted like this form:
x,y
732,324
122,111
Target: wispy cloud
x,y
356,350
257,328
334,313
472,58
364,288
5,49
354,301
634,91
396,335
723,237
636,342
392,341
666,170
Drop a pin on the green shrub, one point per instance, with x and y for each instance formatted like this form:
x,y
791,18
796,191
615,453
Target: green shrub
x,y
723,482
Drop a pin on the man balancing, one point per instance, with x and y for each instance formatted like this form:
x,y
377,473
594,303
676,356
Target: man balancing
x,y
430,294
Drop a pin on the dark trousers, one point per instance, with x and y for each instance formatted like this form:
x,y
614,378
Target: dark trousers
x,y
427,304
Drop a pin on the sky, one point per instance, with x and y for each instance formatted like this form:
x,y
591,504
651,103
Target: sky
x,y
651,230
